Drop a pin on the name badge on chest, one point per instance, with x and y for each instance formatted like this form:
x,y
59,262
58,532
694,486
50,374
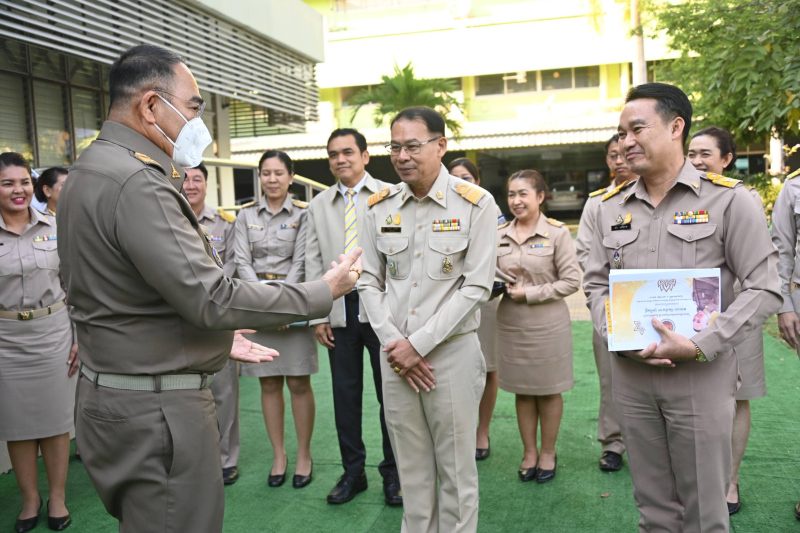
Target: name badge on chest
x,y
622,222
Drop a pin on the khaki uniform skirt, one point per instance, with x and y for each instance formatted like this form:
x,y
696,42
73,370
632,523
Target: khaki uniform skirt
x,y
298,353
534,347
36,397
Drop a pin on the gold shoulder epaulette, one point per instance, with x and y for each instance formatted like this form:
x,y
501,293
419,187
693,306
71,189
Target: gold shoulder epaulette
x,y
147,160
554,222
503,225
469,192
379,196
723,181
227,217
616,189
598,192
300,203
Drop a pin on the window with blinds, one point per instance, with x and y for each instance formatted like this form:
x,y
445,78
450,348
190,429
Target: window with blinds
x,y
15,130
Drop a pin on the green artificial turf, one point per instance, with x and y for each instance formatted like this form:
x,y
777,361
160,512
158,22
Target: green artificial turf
x,y
582,498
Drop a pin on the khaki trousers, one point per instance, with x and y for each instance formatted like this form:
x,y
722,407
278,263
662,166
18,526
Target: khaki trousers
x,y
433,437
153,457
609,433
225,389
677,424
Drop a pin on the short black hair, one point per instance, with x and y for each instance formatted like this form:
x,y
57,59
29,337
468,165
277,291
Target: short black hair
x,y
614,139
143,66
361,141
671,102
432,119
283,156
14,159
49,177
724,141
202,168
466,163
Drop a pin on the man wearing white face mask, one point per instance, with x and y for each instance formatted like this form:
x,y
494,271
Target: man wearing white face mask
x,y
153,310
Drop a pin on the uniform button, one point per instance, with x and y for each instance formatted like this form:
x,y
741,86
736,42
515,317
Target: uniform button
x,y
391,250
652,249
412,312
414,284
690,237
418,254
617,244
419,226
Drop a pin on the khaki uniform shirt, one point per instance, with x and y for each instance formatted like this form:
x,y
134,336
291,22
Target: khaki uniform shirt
x,y
325,237
735,239
428,263
544,264
29,276
586,226
785,222
148,296
271,243
220,233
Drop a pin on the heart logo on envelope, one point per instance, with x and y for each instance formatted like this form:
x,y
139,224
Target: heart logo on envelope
x,y
666,285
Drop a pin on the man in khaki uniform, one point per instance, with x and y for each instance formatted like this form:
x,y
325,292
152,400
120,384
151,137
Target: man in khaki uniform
x,y
608,431
225,387
675,398
345,332
428,264
152,307
786,239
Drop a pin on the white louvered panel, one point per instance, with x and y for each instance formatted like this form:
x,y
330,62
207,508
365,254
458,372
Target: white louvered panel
x,y
225,59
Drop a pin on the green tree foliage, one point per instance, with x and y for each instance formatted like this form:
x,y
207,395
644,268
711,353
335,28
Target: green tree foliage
x,y
403,90
740,62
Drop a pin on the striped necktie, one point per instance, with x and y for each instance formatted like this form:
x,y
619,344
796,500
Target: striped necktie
x,y
350,229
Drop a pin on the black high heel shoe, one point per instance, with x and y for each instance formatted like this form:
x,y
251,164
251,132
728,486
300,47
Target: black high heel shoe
x,y
57,523
528,474
482,454
299,481
733,508
26,524
278,479
543,476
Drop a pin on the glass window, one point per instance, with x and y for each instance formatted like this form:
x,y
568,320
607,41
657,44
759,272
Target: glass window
x,y
52,135
48,64
15,133
86,117
83,72
587,77
12,56
521,82
490,84
556,79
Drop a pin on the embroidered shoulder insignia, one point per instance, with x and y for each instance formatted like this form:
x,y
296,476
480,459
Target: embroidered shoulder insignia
x,y
248,204
503,225
554,222
469,192
378,197
226,216
722,181
617,189
149,161
300,203
598,192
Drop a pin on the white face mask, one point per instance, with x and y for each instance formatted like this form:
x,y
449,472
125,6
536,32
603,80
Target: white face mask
x,y
192,140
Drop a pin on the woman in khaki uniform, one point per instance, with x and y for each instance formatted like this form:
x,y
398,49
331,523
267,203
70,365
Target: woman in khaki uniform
x,y
48,188
712,150
536,257
269,244
487,332
37,390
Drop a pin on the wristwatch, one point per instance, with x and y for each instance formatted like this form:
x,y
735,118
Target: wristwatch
x,y
698,354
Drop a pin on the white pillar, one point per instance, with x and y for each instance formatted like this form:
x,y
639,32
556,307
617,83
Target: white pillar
x,y
775,155
639,63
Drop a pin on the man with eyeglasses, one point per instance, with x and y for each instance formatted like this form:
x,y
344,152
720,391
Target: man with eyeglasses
x,y
428,264
153,310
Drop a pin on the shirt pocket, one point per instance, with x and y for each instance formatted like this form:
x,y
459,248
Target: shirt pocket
x,y
618,245
395,249
445,257
284,242
9,262
690,237
258,242
539,259
46,254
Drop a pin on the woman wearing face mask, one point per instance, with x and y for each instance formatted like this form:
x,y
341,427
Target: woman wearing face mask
x,y
487,331
712,150
270,246
37,389
48,187
536,256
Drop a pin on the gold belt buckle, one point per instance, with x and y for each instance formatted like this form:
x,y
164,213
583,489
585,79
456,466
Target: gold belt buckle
x,y
25,315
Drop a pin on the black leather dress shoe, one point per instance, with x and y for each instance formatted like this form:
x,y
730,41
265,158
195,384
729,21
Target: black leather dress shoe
x,y
58,523
610,461
527,474
543,476
299,481
26,524
347,487
230,474
391,492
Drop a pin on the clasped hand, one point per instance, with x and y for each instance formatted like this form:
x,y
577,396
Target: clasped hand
x,y
409,364
673,347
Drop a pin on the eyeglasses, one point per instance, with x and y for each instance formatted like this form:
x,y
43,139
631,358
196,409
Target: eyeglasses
x,y
195,104
411,147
